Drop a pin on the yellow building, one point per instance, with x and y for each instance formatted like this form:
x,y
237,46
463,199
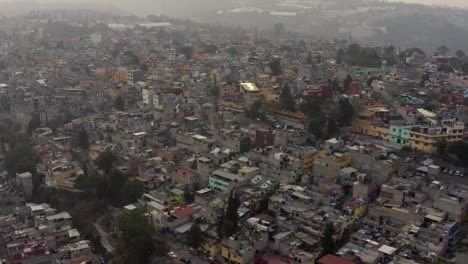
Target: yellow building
x,y
366,123
232,105
425,138
309,161
231,256
250,92
211,248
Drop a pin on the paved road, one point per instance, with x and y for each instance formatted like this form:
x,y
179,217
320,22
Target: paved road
x,y
181,250
104,238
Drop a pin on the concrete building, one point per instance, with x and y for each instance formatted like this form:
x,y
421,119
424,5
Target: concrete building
x,y
24,181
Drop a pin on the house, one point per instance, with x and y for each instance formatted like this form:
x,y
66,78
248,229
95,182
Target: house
x,y
222,181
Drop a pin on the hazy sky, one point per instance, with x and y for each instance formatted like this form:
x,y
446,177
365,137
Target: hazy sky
x,y
460,3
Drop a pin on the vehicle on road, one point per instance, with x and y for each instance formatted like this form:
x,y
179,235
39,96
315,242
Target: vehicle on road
x,y
457,173
186,260
172,254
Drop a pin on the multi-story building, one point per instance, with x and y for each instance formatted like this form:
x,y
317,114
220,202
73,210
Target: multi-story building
x,y
400,135
425,138
222,181
250,92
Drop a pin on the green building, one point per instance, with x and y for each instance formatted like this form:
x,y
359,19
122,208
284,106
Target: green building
x,y
385,69
400,135
222,181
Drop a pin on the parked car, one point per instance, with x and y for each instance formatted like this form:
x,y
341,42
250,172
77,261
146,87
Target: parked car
x,y
451,172
446,170
462,174
172,254
185,260
457,173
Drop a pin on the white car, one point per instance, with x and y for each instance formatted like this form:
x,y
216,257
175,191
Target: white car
x,y
172,255
457,173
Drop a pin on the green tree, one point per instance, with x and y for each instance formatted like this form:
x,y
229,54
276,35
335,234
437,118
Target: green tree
x,y
106,160
309,58
34,123
340,56
460,54
116,180
314,126
132,191
211,48
459,149
138,235
233,51
231,218
194,237
255,111
328,242
425,78
119,103
441,146
83,139
439,260
215,91
443,50
345,113
187,51
275,66
347,81
278,28
286,100
21,158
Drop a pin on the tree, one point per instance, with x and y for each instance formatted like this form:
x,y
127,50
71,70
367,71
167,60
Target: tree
x,y
34,123
278,28
328,242
138,235
211,48
255,111
132,191
443,50
231,218
215,91
315,126
106,160
286,100
187,51
347,81
441,146
345,113
116,180
439,260
340,54
20,158
460,54
332,127
425,78
194,237
309,58
83,139
459,149
119,103
275,66
233,51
